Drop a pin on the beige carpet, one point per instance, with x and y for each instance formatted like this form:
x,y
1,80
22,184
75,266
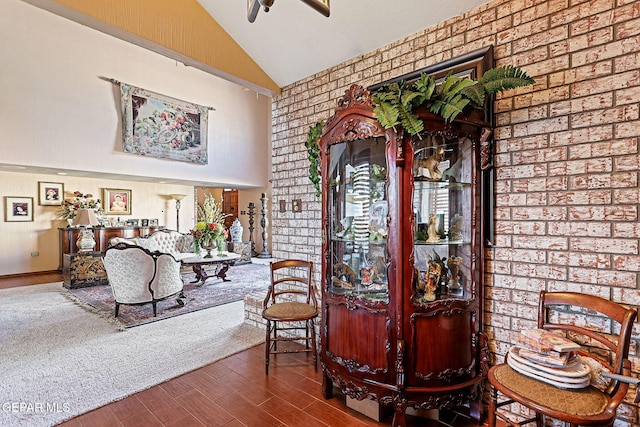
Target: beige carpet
x,y
59,360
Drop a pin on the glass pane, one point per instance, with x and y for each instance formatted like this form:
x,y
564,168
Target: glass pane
x,y
442,203
358,218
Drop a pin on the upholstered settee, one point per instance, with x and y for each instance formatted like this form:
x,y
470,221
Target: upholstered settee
x,y
167,241
138,276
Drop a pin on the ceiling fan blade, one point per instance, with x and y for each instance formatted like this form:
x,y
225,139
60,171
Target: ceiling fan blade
x,y
253,6
321,6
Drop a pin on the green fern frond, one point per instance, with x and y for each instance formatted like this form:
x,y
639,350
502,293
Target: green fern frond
x,y
503,78
387,114
408,97
448,83
396,102
454,85
475,93
409,121
426,85
449,108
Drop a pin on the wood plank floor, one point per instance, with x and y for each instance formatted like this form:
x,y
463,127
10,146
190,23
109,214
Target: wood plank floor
x,y
234,392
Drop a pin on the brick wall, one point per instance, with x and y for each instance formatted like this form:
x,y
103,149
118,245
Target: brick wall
x,y
567,156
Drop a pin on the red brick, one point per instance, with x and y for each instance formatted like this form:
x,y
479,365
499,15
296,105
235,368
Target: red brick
x,y
602,277
603,213
626,296
579,259
626,230
611,115
598,101
539,184
540,242
573,14
604,149
579,228
578,136
600,245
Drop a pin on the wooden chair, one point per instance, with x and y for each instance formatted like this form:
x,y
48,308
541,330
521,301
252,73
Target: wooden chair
x,y
587,406
286,302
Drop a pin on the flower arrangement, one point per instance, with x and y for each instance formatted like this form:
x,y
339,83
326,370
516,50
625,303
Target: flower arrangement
x,y
206,234
70,208
209,229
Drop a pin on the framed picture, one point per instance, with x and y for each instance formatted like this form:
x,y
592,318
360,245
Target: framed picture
x,y
117,201
156,125
132,222
18,209
50,193
153,223
144,222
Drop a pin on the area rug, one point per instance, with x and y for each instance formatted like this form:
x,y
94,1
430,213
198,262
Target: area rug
x,y
243,280
60,360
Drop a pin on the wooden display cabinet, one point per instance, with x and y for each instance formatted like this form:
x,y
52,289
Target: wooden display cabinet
x,y
402,260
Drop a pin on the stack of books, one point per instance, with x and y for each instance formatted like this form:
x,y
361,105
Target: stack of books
x,y
548,357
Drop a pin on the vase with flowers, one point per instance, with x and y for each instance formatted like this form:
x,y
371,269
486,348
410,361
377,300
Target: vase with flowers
x,y
206,236
209,232
71,207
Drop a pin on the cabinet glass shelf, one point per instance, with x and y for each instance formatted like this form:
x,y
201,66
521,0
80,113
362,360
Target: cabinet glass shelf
x,y
359,225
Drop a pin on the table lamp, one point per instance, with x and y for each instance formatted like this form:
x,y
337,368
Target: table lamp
x,y
85,218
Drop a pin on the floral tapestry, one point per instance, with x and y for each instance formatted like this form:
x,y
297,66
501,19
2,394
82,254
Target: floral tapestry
x,y
159,126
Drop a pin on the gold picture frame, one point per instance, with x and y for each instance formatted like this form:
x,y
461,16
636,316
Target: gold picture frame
x,y
117,201
50,193
18,209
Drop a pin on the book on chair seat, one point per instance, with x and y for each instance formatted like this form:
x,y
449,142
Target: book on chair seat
x,y
542,340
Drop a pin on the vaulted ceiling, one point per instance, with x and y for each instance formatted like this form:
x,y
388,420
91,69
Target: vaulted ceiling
x,y
289,43
293,41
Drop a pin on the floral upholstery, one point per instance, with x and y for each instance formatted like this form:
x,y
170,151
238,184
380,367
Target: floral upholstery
x,y
138,276
167,280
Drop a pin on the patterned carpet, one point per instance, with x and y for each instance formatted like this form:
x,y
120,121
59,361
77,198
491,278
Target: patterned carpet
x,y
243,280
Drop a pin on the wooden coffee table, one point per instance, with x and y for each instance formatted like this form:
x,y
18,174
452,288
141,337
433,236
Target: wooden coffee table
x,y
222,263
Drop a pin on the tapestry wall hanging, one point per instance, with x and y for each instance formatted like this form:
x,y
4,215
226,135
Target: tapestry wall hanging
x,y
160,126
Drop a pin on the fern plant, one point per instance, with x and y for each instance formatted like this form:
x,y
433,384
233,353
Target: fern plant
x,y
396,102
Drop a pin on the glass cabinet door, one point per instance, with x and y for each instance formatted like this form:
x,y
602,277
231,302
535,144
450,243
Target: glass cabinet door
x,y
443,206
358,219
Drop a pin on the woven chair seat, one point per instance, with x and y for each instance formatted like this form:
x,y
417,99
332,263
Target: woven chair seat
x,y
584,402
290,310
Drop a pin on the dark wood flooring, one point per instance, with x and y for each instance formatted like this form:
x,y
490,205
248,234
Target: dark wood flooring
x,y
234,392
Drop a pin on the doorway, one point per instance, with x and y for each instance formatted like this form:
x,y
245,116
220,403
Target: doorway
x,y
230,206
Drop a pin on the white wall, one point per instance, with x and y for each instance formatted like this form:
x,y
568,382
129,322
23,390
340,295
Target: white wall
x,y
57,111
20,239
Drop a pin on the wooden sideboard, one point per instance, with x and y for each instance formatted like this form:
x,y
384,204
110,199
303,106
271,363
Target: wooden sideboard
x,y
102,235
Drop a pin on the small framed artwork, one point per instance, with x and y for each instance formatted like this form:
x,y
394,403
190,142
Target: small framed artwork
x,y
153,223
144,222
50,193
18,209
117,201
132,222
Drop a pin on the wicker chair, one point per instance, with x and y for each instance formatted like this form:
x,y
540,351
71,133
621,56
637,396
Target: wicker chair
x,y
287,303
586,406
